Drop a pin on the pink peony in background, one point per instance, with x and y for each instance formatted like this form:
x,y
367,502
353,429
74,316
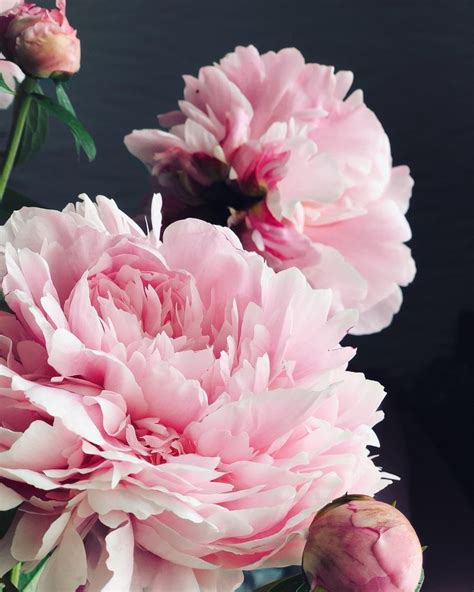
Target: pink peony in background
x,y
170,413
40,41
272,146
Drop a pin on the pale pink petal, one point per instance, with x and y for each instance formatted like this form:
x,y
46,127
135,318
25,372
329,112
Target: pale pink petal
x,y
11,73
400,187
66,570
144,144
37,534
380,315
170,576
120,549
9,498
7,5
218,580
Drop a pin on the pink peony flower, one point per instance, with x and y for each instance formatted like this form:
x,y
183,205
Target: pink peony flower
x,y
40,41
270,145
170,413
362,545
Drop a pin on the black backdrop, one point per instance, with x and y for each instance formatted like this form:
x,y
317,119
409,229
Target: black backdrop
x,y
414,61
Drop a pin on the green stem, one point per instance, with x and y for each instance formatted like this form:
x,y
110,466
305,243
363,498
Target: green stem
x,y
22,107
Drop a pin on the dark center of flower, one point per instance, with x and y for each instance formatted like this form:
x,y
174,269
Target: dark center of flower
x,y
220,197
200,186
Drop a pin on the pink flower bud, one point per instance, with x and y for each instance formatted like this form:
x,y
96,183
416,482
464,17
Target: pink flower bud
x,y
357,544
40,41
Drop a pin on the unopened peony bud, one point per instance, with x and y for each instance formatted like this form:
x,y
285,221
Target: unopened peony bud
x,y
357,544
40,41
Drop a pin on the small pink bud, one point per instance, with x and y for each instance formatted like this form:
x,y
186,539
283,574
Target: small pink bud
x,y
40,41
357,544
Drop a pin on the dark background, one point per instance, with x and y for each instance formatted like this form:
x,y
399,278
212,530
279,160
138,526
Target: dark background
x,y
414,60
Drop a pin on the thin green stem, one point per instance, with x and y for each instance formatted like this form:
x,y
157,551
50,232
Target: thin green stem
x,y
22,107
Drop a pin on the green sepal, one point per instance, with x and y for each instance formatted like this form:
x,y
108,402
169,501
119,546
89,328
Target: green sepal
x,y
81,135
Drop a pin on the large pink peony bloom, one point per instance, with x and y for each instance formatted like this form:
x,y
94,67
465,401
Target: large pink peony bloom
x,y
170,413
305,174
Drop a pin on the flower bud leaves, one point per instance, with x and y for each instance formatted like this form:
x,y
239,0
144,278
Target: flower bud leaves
x,y
35,132
65,102
81,135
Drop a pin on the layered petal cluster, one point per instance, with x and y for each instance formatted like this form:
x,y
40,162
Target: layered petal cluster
x,y
170,412
272,146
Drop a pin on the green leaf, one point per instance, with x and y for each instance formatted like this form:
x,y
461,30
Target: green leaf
x,y
4,86
65,102
78,130
63,98
35,132
420,583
